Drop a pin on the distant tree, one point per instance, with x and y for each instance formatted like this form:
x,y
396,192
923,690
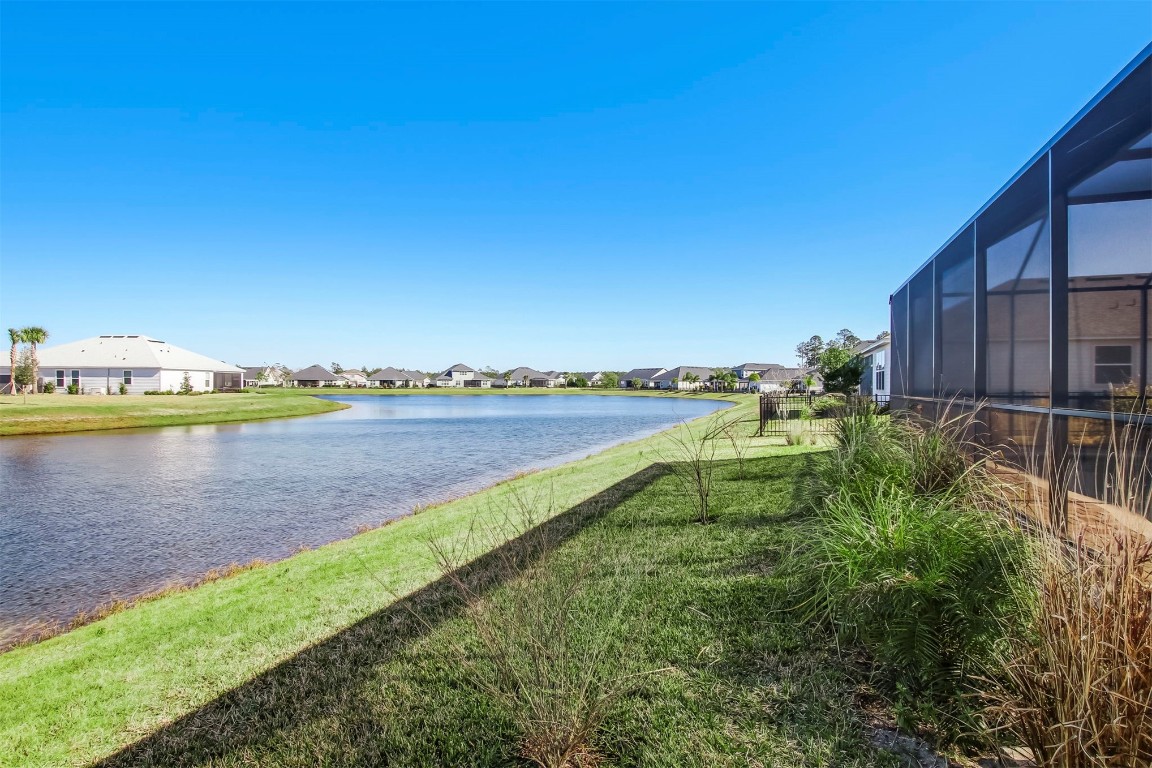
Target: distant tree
x,y
610,380
883,334
261,377
337,368
676,380
186,384
22,372
576,381
691,378
809,381
845,338
723,379
840,369
809,351
16,335
34,335
636,383
754,377
507,376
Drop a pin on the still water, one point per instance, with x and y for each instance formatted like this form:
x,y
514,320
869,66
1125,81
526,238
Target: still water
x,y
90,517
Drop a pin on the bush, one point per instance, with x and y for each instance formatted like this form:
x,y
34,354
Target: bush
x,y
49,387
928,587
73,389
123,388
829,406
904,558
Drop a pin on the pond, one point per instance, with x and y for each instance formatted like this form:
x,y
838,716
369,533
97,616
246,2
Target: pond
x,y
86,518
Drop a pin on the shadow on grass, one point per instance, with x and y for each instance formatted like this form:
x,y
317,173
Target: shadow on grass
x,y
326,691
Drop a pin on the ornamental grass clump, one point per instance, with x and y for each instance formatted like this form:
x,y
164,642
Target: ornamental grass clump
x,y
553,653
1076,687
904,558
927,587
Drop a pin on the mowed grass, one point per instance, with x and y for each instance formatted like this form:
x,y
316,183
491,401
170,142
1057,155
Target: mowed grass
x,y
739,683
55,413
82,695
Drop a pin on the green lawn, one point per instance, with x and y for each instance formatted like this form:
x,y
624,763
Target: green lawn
x,y
46,414
81,695
739,684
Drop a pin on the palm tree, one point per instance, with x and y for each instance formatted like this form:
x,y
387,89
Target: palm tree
x,y
34,335
17,337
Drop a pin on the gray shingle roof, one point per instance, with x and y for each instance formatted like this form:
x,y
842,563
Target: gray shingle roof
x,y
389,374
679,372
460,368
314,373
645,374
519,374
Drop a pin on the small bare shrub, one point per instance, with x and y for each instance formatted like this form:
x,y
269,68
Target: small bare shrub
x,y
738,438
689,454
556,654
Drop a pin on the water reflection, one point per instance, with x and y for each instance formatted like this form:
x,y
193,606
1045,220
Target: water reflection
x,y
86,518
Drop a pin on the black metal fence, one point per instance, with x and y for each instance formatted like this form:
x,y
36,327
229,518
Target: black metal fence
x,y
782,414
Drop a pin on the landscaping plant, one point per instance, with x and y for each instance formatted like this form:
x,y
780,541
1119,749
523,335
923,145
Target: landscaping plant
x,y
904,559
553,654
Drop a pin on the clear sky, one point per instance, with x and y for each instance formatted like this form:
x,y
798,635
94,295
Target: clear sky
x,y
572,186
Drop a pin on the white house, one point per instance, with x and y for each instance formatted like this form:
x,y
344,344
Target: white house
x,y
674,379
646,376
355,377
273,376
99,365
875,379
457,375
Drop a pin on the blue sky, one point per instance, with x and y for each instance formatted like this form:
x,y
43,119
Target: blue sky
x,y
573,186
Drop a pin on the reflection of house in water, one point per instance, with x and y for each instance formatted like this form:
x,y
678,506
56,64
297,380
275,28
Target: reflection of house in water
x,y
1037,310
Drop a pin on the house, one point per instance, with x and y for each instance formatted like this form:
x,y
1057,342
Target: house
x,y
644,375
594,378
355,377
526,377
875,353
392,378
99,365
317,376
479,381
552,379
418,378
745,370
775,378
675,378
456,376
265,376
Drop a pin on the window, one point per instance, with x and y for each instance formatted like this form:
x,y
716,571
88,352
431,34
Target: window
x,y
207,383
127,377
1113,365
60,379
76,378
1013,236
879,379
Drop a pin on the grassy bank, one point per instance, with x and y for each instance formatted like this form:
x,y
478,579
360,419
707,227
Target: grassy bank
x,y
56,413
737,684
83,695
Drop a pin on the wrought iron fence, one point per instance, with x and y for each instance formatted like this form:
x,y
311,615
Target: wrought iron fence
x,y
781,413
